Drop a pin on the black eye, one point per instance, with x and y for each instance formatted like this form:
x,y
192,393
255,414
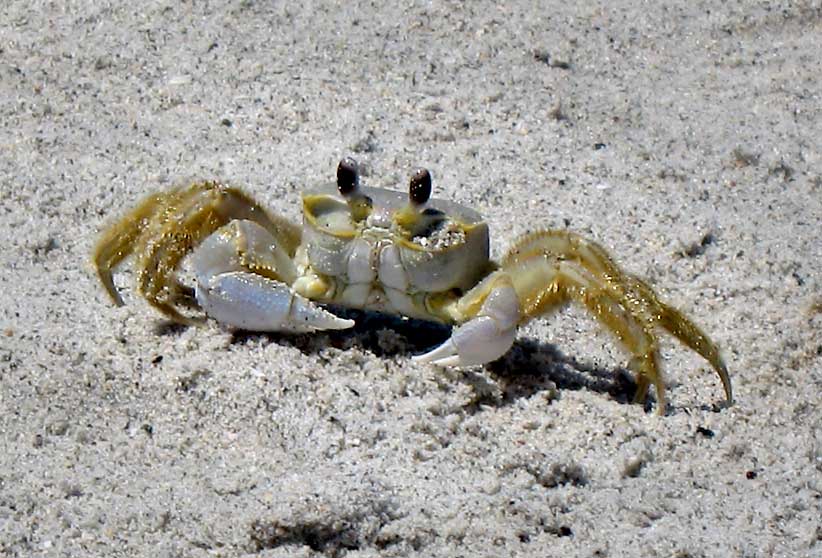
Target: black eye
x,y
419,190
347,178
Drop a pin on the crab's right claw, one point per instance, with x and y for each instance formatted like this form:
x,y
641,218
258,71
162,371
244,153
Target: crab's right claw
x,y
249,301
487,336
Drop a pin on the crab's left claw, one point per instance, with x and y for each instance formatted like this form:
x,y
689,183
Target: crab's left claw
x,y
243,276
255,303
488,334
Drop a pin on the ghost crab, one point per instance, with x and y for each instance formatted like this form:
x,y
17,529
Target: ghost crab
x,y
385,251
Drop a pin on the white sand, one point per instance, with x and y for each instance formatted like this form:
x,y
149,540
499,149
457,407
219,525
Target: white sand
x,y
647,128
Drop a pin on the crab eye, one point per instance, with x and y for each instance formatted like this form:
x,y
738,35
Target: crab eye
x,y
419,189
347,176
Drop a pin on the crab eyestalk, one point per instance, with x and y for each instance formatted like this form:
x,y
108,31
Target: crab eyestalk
x,y
412,217
348,184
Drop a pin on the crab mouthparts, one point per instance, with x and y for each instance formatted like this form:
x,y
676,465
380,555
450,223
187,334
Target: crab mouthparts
x,y
380,218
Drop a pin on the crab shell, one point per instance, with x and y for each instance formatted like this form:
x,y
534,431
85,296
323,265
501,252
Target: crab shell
x,y
445,248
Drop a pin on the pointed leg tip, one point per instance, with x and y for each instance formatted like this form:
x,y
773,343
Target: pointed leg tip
x,y
107,280
726,385
661,401
113,295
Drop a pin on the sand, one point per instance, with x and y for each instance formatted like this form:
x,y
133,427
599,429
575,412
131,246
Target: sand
x,y
683,136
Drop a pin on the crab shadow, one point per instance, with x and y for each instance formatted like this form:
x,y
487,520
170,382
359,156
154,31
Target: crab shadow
x,y
530,367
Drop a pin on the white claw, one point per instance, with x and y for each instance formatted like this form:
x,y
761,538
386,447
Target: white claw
x,y
253,302
484,338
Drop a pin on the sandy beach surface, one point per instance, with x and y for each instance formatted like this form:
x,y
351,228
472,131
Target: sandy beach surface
x,y
683,136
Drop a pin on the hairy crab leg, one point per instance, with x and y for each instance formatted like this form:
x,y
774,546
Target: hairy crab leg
x,y
544,286
686,331
118,241
164,228
565,246
183,224
634,297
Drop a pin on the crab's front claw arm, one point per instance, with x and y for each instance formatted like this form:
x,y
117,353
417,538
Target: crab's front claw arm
x,y
492,311
242,280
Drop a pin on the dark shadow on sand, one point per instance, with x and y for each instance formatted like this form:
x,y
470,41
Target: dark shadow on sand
x,y
529,368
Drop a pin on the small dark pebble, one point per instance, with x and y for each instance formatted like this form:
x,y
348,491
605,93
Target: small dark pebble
x,y
707,432
698,248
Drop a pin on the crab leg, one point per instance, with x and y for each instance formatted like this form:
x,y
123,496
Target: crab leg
x,y
545,286
168,240
678,325
242,280
189,217
117,242
164,228
551,268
